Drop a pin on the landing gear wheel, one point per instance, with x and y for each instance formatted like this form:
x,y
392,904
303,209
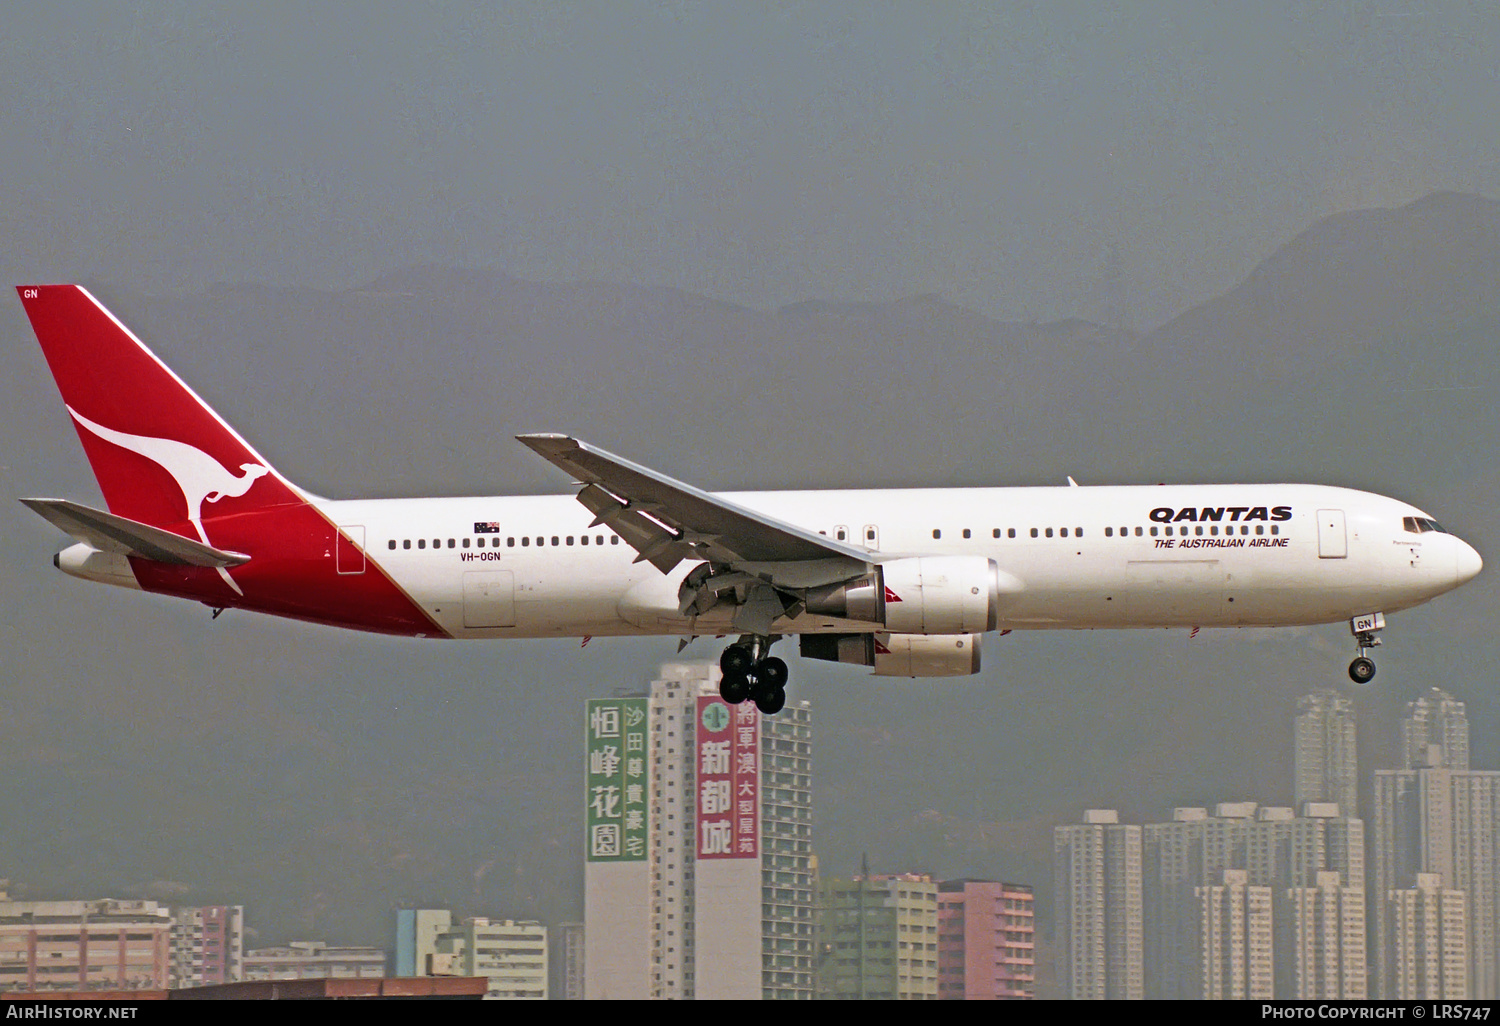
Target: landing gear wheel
x,y
1362,670
734,688
736,661
772,673
769,700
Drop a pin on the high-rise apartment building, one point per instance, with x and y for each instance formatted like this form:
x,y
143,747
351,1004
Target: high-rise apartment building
x,y
699,874
1428,939
986,941
1435,719
1326,767
1444,822
1321,947
1277,848
1097,893
208,945
1235,939
881,935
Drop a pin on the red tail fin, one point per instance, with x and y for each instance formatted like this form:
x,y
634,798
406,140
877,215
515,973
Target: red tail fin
x,y
161,454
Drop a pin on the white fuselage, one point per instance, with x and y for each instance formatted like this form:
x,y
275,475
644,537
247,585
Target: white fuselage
x,y
1094,557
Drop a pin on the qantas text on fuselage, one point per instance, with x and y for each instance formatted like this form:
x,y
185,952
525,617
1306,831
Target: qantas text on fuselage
x,y
906,582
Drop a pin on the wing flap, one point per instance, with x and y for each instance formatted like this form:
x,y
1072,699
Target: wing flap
x,y
109,533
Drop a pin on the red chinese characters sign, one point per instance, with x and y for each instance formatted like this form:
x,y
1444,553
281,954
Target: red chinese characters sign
x,y
728,799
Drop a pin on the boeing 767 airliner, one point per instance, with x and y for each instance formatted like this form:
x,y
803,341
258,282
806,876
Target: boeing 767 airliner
x,y
905,581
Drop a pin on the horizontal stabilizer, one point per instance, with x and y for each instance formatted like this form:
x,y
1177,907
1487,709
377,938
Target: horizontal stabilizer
x,y
109,533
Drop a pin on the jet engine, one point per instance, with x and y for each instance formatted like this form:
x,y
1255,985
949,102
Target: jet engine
x,y
920,595
899,655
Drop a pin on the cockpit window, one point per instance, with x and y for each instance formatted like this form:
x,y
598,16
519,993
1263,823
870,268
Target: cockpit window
x,y
1420,525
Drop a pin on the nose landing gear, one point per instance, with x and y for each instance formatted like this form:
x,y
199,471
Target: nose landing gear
x,y
749,672
1366,629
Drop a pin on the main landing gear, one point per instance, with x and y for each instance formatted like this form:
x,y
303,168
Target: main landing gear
x,y
1366,630
748,672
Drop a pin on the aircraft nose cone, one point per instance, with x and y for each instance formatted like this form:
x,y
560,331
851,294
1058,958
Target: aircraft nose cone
x,y
1466,562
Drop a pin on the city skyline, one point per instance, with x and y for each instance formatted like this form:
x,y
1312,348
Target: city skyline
x,y
1297,876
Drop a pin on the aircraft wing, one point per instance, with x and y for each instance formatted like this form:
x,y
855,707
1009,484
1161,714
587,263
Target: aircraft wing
x,y
667,521
109,533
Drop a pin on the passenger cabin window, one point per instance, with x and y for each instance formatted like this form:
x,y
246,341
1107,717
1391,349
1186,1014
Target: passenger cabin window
x,y
966,533
1109,532
936,533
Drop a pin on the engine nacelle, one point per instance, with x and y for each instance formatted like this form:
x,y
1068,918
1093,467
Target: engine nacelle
x,y
921,595
899,655
941,595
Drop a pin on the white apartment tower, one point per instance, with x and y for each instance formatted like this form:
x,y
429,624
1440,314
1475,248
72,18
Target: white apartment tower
x,y
1235,939
699,880
1435,719
1428,953
1326,767
1097,868
1321,946
1443,822
1275,847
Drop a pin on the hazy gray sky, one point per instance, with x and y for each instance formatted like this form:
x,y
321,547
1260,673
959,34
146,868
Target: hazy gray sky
x,y
1033,163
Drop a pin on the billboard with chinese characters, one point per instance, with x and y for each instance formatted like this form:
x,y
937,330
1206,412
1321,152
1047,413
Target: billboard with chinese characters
x,y
616,782
728,752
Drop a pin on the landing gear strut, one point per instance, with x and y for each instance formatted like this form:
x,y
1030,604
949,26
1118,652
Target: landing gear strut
x,y
749,672
1366,630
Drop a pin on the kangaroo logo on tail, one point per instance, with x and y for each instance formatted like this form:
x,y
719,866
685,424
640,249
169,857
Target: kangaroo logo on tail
x,y
201,477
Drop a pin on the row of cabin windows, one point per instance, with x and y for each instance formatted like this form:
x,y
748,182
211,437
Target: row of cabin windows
x,y
1213,529
1109,532
510,543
